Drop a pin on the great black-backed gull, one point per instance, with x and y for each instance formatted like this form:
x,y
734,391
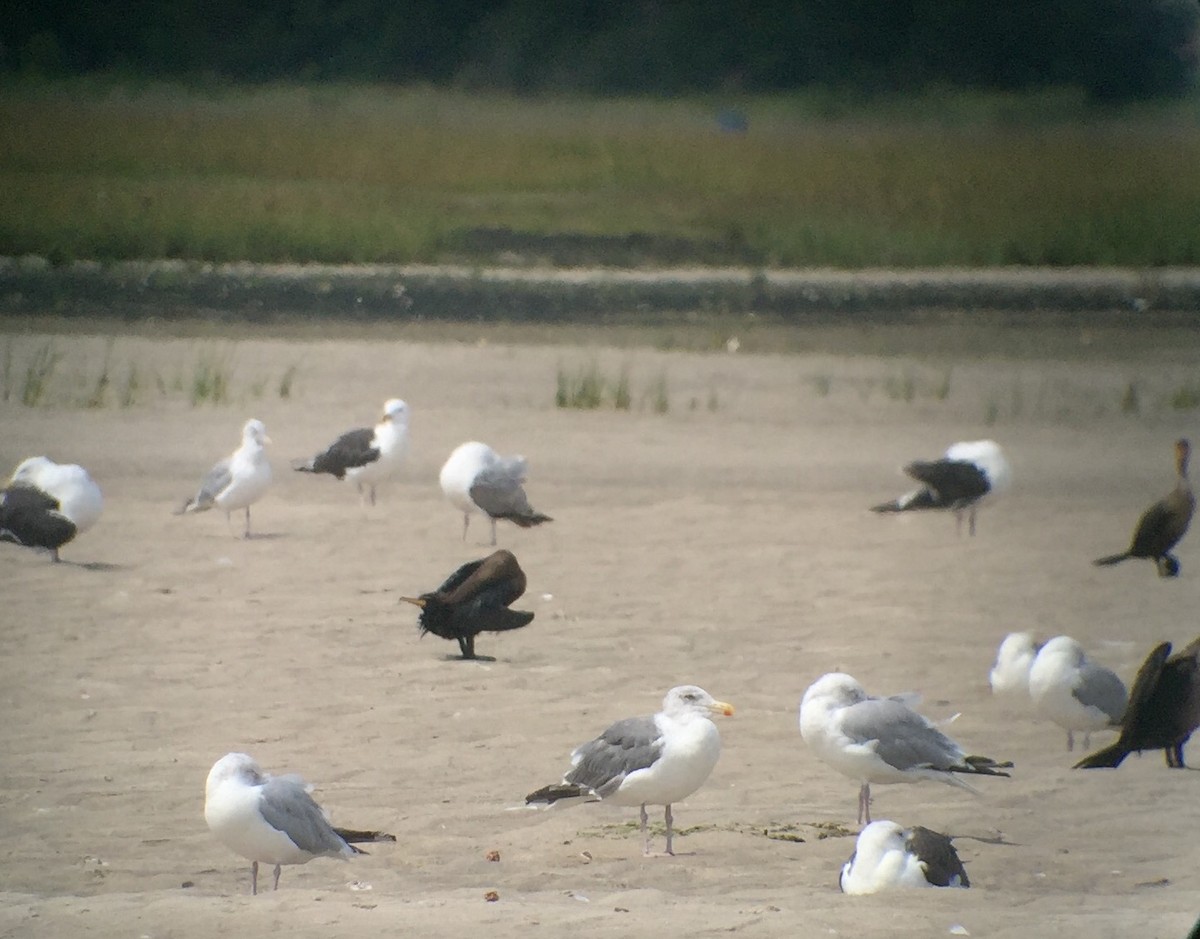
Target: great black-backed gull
x,y
1163,524
654,760
473,600
888,857
366,456
968,475
272,819
1014,659
881,740
476,479
1074,692
239,480
1163,709
47,504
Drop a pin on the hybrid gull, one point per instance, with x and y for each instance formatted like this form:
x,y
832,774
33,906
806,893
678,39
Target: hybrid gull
x,y
477,479
272,819
881,740
475,599
887,857
654,760
239,480
367,456
1074,692
47,504
1163,524
1163,709
968,475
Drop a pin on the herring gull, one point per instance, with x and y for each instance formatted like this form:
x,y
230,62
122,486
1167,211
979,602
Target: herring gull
x,y
475,599
654,760
881,740
47,504
367,456
1014,659
1074,692
968,475
272,819
239,480
477,479
887,857
1164,523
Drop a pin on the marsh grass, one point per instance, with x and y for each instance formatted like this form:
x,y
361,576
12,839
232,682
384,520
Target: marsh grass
x,y
99,394
318,173
587,388
287,381
1185,397
38,373
127,397
580,389
212,372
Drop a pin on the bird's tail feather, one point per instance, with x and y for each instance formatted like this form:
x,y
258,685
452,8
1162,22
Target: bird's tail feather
x,y
303,466
352,836
1108,758
528,519
1111,559
983,766
910,501
548,795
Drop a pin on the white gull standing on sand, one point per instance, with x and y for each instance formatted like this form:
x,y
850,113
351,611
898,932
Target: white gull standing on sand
x,y
1014,659
887,857
239,480
367,456
881,740
477,479
47,504
272,819
1074,692
659,759
968,475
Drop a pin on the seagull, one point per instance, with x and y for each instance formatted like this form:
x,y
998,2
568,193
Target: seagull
x,y
887,856
969,474
1073,692
1014,658
881,740
477,479
239,480
367,456
1164,523
475,599
272,819
654,760
1163,709
47,504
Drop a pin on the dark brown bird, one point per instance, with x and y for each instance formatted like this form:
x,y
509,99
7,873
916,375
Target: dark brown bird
x,y
1163,709
1164,523
475,599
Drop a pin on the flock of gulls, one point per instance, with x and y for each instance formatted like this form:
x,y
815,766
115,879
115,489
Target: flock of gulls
x,y
661,759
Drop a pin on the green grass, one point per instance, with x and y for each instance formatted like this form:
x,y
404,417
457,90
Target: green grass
x,y
364,174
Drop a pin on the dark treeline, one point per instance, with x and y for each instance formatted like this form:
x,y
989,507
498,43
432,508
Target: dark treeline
x,y
1114,49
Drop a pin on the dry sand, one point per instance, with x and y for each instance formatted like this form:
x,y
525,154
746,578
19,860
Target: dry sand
x,y
729,547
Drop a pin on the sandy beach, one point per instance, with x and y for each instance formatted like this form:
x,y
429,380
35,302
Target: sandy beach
x,y
725,543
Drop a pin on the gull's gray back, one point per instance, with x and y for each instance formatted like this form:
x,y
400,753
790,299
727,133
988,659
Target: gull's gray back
x,y
214,483
628,745
906,739
497,487
1100,688
288,807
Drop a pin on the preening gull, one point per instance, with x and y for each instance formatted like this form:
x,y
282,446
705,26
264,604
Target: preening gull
x,y
272,819
475,599
47,504
1073,692
1163,709
887,857
654,760
366,456
881,740
1014,659
477,479
969,474
239,480
1164,523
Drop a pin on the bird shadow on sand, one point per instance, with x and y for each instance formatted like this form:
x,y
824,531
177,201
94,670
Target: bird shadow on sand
x,y
479,658
101,566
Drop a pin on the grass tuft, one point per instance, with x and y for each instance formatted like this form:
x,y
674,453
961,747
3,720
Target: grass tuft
x,y
211,374
38,373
